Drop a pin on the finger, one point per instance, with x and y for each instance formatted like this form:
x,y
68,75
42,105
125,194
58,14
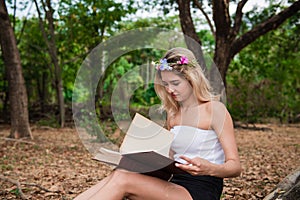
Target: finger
x,y
188,168
185,167
188,160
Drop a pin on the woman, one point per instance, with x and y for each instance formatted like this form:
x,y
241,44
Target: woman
x,y
204,139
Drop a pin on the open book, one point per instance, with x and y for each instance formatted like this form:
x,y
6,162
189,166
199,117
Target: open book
x,y
145,149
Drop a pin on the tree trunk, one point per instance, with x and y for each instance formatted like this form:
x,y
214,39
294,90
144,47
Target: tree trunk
x,y
5,109
223,36
222,58
51,44
17,91
54,58
42,91
191,38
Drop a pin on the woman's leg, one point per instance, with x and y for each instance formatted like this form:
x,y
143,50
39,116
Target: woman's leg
x,y
92,190
134,186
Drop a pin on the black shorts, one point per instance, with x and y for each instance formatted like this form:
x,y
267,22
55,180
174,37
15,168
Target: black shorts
x,y
200,187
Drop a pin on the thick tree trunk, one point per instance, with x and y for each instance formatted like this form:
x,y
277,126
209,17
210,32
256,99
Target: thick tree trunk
x,y
223,36
17,91
222,57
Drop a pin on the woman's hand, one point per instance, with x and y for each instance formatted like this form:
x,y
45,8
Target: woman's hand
x,y
196,166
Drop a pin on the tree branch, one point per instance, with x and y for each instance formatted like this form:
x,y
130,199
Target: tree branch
x,y
264,27
24,24
14,15
40,187
238,18
18,184
19,140
199,6
15,182
41,24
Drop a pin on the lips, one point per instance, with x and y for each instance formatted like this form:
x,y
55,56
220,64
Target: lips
x,y
173,95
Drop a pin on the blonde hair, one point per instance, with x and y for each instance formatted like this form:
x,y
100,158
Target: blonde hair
x,y
191,72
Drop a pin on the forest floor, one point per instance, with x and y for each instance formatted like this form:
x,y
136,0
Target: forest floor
x,y
56,165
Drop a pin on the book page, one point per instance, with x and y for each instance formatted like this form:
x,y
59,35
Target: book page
x,y
109,152
145,135
112,159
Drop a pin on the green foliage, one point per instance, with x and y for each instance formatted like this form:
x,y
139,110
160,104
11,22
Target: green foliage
x,y
208,41
82,26
169,23
128,67
263,81
15,192
5,167
115,72
90,21
36,63
49,122
162,7
258,15
145,96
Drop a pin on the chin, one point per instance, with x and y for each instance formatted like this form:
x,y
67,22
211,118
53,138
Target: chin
x,y
176,99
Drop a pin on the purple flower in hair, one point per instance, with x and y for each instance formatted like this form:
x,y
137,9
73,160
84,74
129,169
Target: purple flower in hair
x,y
164,65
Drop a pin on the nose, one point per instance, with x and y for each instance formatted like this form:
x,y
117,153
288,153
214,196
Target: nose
x,y
170,89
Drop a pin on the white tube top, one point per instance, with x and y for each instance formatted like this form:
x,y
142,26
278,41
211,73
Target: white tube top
x,y
194,142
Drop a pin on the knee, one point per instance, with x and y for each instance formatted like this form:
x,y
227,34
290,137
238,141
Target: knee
x,y
120,178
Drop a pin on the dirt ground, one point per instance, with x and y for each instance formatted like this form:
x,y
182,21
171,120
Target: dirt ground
x,y
56,165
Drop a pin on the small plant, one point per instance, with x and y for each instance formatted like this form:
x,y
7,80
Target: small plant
x,y
6,167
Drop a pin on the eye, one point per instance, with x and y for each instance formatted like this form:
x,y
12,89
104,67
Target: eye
x,y
164,84
175,83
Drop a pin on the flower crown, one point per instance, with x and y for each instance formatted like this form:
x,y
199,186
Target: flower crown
x,y
164,65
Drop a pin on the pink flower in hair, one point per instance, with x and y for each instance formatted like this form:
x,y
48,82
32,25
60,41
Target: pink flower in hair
x,y
183,60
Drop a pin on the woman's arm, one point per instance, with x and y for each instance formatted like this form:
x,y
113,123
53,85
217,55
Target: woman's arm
x,y
223,125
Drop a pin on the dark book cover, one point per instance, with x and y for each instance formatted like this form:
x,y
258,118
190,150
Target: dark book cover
x,y
150,163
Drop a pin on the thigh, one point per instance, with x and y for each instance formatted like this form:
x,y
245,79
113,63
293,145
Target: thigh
x,y
143,187
92,190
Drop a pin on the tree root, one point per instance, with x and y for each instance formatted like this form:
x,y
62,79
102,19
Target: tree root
x,y
19,186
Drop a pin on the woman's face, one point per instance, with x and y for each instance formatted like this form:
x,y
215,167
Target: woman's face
x,y
179,88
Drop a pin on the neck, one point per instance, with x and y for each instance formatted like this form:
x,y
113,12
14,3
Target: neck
x,y
192,103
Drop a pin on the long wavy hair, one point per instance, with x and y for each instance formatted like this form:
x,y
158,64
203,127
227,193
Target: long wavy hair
x,y
191,72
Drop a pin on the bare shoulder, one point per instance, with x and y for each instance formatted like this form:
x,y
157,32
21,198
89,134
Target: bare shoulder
x,y
219,112
215,107
218,104
221,119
